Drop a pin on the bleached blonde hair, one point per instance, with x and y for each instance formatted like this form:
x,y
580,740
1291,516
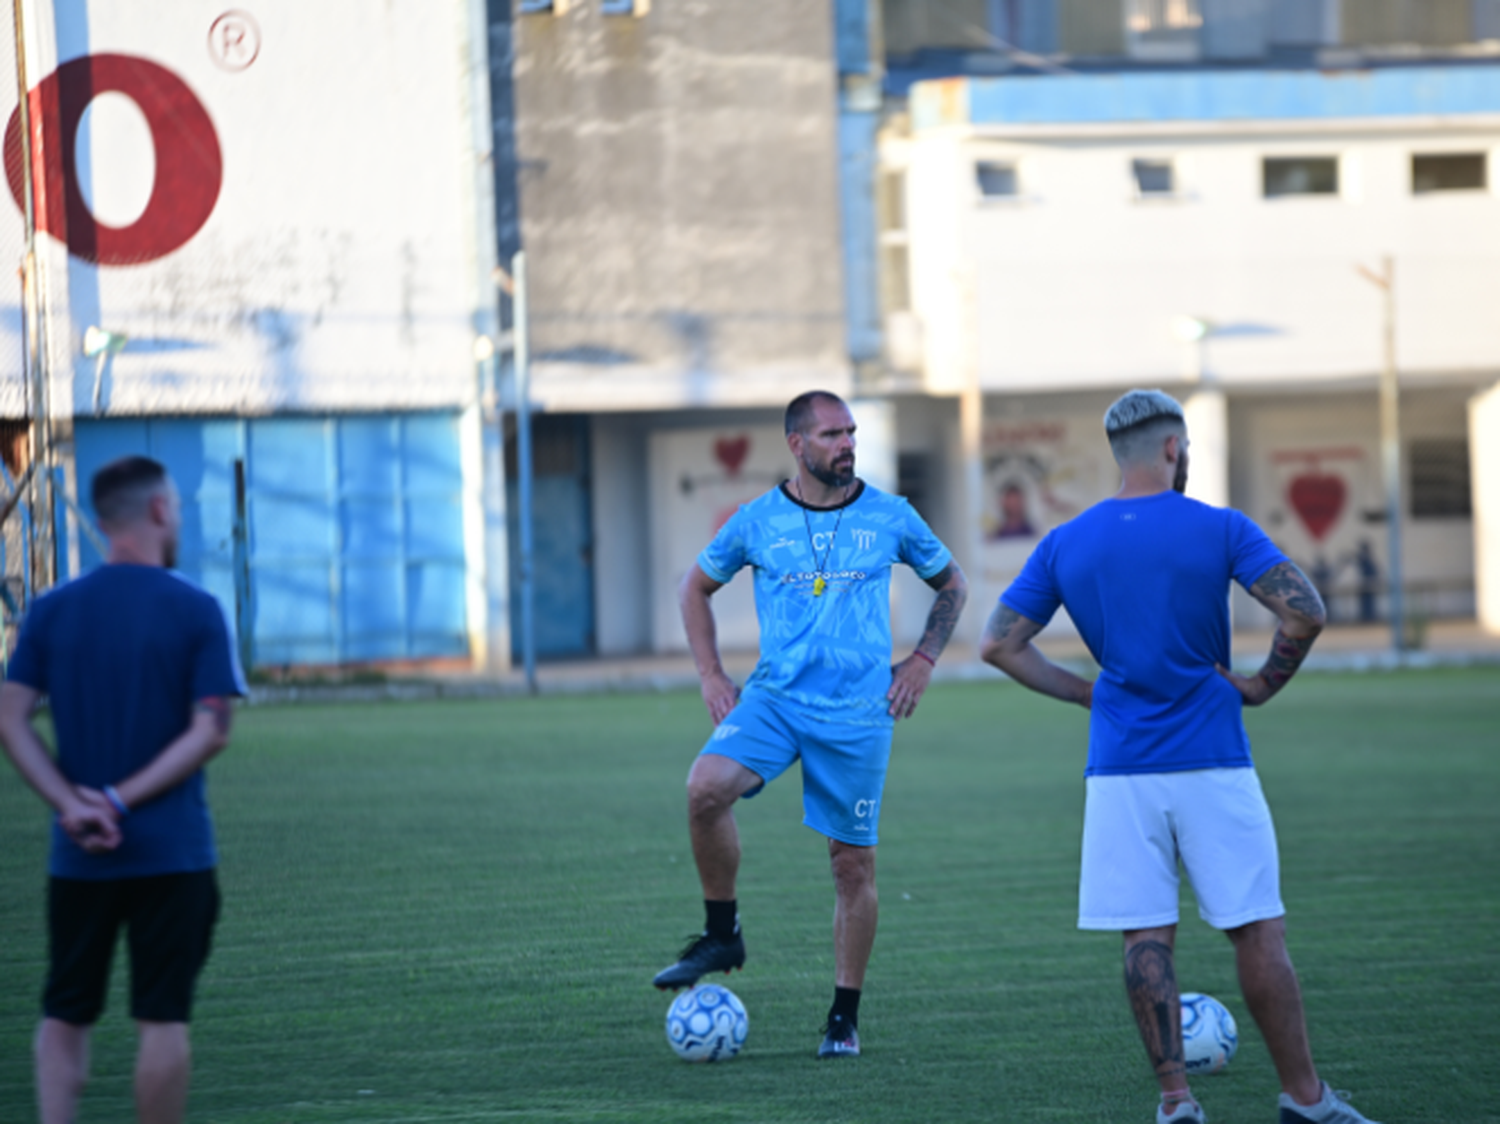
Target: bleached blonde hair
x,y
1139,420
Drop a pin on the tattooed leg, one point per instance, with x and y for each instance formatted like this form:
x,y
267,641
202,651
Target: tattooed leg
x,y
1151,983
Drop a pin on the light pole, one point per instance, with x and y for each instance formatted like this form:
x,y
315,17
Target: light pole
x,y
1206,411
523,461
1390,443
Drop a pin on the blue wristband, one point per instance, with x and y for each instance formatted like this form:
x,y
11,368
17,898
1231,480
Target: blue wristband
x,y
113,797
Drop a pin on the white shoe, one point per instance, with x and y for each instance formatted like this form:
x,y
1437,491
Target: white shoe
x,y
1330,1110
1183,1112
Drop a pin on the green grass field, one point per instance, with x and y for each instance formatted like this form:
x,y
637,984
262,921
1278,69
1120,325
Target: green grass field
x,y
452,911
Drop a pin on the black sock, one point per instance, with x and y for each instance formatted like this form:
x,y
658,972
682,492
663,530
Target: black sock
x,y
723,917
846,1003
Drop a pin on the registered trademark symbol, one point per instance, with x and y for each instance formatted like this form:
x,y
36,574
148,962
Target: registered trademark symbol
x,y
234,40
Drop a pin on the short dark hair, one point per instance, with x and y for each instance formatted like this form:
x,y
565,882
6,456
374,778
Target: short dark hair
x,y
799,411
121,488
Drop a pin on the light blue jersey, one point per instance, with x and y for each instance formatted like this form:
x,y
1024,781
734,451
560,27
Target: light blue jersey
x,y
829,653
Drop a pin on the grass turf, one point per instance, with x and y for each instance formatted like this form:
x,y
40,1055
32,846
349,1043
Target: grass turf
x,y
451,912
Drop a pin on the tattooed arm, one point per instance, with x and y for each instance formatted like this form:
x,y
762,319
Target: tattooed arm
x,y
1285,590
911,676
206,735
1007,645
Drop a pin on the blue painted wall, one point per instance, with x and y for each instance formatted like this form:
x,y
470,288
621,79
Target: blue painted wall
x,y
1216,96
562,538
355,523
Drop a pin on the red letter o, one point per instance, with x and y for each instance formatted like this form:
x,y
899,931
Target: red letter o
x,y
189,165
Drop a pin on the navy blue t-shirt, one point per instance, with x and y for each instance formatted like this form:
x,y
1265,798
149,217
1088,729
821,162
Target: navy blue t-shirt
x,y
123,653
1147,583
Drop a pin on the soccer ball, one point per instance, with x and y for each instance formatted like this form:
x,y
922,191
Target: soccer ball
x,y
707,1024
1209,1036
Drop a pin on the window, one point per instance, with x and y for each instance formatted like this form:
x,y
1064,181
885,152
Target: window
x,y
1440,478
1153,177
1300,175
1087,27
890,209
542,7
1164,30
996,181
914,481
1456,171
624,7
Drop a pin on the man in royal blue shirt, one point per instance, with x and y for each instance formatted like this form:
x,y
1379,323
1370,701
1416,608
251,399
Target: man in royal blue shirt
x,y
138,668
1145,577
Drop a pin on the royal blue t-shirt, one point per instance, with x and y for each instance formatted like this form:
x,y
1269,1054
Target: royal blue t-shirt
x,y
123,653
1147,583
830,653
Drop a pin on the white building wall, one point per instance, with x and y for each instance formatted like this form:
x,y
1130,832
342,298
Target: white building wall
x,y
1064,295
1078,281
337,269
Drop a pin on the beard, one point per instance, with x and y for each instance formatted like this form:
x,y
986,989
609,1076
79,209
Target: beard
x,y
1179,478
836,474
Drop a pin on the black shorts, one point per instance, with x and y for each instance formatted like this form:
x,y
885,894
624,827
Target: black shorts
x,y
169,921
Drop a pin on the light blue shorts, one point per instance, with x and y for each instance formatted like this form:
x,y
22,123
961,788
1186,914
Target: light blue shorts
x,y
843,765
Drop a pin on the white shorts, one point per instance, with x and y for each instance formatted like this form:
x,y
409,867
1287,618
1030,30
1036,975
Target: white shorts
x,y
1137,827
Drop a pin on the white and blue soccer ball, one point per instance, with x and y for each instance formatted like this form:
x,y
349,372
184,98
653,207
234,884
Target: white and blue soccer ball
x,y
707,1023
1209,1036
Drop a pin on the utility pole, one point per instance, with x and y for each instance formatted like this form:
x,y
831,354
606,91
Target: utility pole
x,y
523,461
1390,446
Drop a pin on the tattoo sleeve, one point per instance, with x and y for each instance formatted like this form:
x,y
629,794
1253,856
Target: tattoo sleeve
x,y
1151,983
1001,623
1287,585
1287,654
943,618
219,709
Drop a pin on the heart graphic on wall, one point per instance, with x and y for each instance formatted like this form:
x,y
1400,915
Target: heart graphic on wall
x,y
732,451
1318,498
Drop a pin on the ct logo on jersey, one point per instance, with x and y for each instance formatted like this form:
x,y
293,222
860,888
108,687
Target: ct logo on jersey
x,y
864,809
724,732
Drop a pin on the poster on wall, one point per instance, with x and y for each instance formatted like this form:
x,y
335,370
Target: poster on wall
x,y
1326,513
1038,473
699,477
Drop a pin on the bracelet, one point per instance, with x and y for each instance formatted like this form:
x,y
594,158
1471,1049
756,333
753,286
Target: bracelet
x,y
113,796
925,656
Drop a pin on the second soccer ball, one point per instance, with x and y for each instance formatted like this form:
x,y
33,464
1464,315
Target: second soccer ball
x,y
1209,1036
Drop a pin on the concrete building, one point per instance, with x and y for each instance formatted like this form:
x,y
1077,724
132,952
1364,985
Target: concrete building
x,y
1083,197
689,178
264,240
983,219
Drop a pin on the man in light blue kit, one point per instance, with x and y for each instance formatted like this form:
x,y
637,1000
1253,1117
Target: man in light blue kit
x,y
1145,577
822,546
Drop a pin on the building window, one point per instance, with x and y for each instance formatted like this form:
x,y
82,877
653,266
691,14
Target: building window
x,y
890,209
996,181
1300,175
914,481
1440,478
1153,177
624,7
543,7
1164,30
1450,171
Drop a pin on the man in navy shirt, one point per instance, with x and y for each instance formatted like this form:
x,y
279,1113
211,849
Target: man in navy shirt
x,y
138,668
1145,577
